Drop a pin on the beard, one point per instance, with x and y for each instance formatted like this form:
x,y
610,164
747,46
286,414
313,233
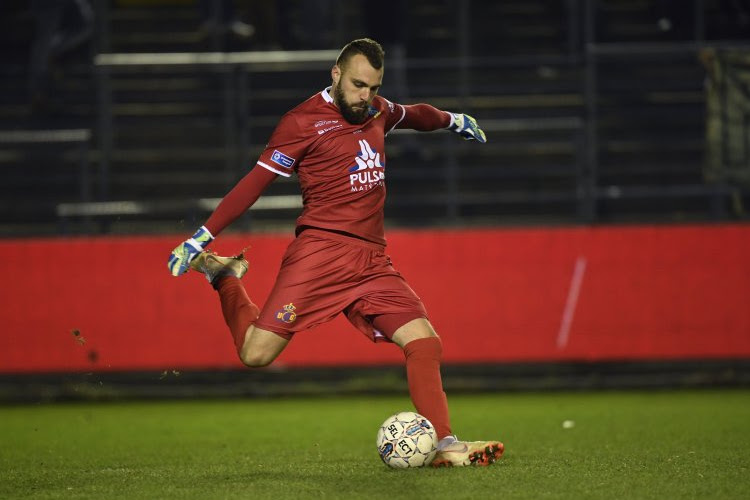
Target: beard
x,y
354,115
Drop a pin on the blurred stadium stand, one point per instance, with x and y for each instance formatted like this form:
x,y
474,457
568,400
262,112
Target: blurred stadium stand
x,y
595,111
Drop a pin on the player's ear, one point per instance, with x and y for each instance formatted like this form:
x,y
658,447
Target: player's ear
x,y
336,74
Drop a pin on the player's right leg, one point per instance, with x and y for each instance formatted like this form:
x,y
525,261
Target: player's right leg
x,y
256,347
261,347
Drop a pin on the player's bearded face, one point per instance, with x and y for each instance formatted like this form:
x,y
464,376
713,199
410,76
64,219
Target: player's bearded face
x,y
355,86
355,112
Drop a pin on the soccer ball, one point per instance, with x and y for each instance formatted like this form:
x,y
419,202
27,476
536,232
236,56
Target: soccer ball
x,y
407,439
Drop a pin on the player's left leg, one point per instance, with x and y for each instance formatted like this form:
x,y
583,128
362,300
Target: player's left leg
x,y
423,350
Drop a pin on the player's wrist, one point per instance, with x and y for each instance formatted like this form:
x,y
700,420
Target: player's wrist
x,y
201,239
452,125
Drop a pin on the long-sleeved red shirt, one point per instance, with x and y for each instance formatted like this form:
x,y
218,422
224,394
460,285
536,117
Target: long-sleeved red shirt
x,y
340,166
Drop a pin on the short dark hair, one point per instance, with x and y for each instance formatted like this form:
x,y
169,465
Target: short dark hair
x,y
369,48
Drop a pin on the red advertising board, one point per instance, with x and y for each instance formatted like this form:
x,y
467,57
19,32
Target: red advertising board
x,y
494,295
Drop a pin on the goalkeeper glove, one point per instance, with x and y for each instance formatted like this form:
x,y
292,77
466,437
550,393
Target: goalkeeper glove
x,y
466,127
179,259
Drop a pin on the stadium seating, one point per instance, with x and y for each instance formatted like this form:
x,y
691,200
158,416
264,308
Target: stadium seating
x,y
176,138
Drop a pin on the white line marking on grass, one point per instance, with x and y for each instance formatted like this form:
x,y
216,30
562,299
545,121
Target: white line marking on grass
x,y
570,306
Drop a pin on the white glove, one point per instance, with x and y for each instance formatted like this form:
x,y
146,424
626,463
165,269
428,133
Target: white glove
x,y
466,126
179,259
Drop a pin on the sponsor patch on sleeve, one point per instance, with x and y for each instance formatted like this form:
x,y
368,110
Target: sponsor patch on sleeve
x,y
280,158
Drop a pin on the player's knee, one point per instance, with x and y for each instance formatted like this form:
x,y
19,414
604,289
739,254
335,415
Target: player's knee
x,y
416,329
255,359
261,347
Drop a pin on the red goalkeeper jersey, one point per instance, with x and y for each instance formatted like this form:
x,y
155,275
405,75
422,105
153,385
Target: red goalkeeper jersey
x,y
341,166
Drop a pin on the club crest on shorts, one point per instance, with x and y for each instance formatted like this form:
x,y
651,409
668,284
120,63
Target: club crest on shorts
x,y
287,313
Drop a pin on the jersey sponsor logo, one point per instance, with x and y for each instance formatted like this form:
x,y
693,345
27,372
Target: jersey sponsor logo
x,y
327,125
368,171
322,123
287,314
328,129
280,158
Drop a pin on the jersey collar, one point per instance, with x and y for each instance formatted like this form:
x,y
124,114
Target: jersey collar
x,y
326,93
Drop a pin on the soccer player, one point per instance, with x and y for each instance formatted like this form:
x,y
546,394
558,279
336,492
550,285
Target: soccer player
x,y
334,142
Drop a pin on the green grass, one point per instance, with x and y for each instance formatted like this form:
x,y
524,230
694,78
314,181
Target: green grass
x,y
660,445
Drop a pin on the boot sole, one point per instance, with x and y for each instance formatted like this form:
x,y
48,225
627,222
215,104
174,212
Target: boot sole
x,y
489,455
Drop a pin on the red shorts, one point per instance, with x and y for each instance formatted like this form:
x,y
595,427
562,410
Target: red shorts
x,y
323,274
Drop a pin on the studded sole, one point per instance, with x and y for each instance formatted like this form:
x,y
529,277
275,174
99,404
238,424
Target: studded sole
x,y
489,455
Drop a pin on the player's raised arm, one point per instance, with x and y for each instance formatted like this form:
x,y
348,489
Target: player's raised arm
x,y
424,117
231,207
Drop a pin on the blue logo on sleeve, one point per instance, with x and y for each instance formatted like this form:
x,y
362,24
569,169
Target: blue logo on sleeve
x,y
281,159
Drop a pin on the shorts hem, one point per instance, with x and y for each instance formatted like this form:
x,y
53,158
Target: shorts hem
x,y
284,334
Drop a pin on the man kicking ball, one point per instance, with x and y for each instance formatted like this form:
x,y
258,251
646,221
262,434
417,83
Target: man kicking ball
x,y
334,142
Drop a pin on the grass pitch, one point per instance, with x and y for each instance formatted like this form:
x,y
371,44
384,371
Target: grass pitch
x,y
660,445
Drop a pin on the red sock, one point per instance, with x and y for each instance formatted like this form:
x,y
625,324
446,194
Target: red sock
x,y
239,311
425,385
